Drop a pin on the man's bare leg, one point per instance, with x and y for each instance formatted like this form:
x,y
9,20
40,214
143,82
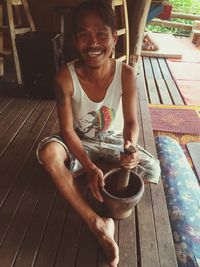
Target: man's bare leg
x,y
104,232
53,157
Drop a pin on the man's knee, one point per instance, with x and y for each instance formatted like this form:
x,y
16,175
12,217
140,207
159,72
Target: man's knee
x,y
149,171
50,153
154,175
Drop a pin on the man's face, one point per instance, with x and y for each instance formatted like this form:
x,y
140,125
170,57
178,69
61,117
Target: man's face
x,y
94,40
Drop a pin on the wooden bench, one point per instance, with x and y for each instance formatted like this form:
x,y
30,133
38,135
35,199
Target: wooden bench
x,y
38,227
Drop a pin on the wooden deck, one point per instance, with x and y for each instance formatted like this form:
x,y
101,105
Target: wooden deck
x,y
160,86
39,228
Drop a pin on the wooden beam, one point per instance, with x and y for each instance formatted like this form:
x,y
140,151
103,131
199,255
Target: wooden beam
x,y
171,24
1,42
184,16
138,11
117,2
15,2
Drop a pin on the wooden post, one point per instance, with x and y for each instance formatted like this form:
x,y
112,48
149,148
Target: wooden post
x,y
138,11
1,41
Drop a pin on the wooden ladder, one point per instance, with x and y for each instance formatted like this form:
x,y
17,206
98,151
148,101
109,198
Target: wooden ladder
x,y
12,11
122,48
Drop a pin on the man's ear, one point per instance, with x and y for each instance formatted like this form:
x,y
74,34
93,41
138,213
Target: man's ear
x,y
115,37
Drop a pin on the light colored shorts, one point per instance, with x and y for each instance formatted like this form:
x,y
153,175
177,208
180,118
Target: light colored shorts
x,y
148,167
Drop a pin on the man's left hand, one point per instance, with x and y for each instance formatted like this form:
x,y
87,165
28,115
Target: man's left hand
x,y
129,161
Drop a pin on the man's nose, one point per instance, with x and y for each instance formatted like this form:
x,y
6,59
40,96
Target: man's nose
x,y
93,39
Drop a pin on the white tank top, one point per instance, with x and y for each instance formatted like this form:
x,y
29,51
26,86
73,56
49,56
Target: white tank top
x,y
95,120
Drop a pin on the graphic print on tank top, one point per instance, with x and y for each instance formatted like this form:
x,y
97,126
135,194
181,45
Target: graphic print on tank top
x,y
95,124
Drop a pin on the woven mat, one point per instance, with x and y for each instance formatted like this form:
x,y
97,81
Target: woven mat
x,y
176,119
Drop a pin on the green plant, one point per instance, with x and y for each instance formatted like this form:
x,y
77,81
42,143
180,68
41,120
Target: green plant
x,y
179,6
186,6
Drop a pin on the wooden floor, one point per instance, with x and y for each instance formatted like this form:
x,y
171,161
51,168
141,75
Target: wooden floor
x,y
39,228
160,86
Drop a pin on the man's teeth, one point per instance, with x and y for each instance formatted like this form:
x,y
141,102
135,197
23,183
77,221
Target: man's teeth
x,y
93,54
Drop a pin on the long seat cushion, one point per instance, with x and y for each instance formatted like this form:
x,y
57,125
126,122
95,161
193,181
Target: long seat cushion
x,y
183,200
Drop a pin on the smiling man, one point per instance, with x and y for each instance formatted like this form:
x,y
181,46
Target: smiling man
x,y
88,93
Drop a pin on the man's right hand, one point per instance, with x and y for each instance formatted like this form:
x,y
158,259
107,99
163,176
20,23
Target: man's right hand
x,y
95,181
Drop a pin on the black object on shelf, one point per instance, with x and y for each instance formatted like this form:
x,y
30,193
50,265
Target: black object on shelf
x,y
40,57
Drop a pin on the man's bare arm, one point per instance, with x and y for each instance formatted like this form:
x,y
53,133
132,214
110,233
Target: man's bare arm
x,y
63,96
64,91
129,104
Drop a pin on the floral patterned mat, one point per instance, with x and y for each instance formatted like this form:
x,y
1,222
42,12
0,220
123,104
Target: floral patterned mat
x,y
182,193
183,140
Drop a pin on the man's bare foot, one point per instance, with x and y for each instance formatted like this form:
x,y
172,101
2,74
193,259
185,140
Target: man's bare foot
x,y
104,232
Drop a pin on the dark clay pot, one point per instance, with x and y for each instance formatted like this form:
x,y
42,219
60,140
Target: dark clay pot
x,y
119,205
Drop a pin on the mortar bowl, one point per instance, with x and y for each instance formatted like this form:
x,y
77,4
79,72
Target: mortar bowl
x,y
119,205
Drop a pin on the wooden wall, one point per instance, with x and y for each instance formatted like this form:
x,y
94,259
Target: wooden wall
x,y
44,14
47,19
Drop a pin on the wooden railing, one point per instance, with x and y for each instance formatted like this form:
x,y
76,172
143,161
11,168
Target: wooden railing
x,y
173,24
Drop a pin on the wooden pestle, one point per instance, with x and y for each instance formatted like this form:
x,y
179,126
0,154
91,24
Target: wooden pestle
x,y
123,176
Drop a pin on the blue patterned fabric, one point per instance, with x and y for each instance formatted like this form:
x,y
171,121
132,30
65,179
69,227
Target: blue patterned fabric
x,y
183,200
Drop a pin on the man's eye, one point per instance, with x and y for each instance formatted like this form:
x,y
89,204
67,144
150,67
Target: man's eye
x,y
83,35
102,34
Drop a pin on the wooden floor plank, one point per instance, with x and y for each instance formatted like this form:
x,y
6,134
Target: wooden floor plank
x,y
4,103
30,133
14,236
7,108
155,195
88,249
194,150
69,239
161,85
13,107
47,250
13,126
22,180
29,243
70,234
28,249
61,237
87,254
172,87
148,243
127,242
150,81
14,112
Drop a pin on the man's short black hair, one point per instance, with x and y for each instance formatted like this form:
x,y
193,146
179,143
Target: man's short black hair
x,y
103,9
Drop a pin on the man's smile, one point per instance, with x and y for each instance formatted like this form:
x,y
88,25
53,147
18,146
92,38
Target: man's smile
x,y
93,52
